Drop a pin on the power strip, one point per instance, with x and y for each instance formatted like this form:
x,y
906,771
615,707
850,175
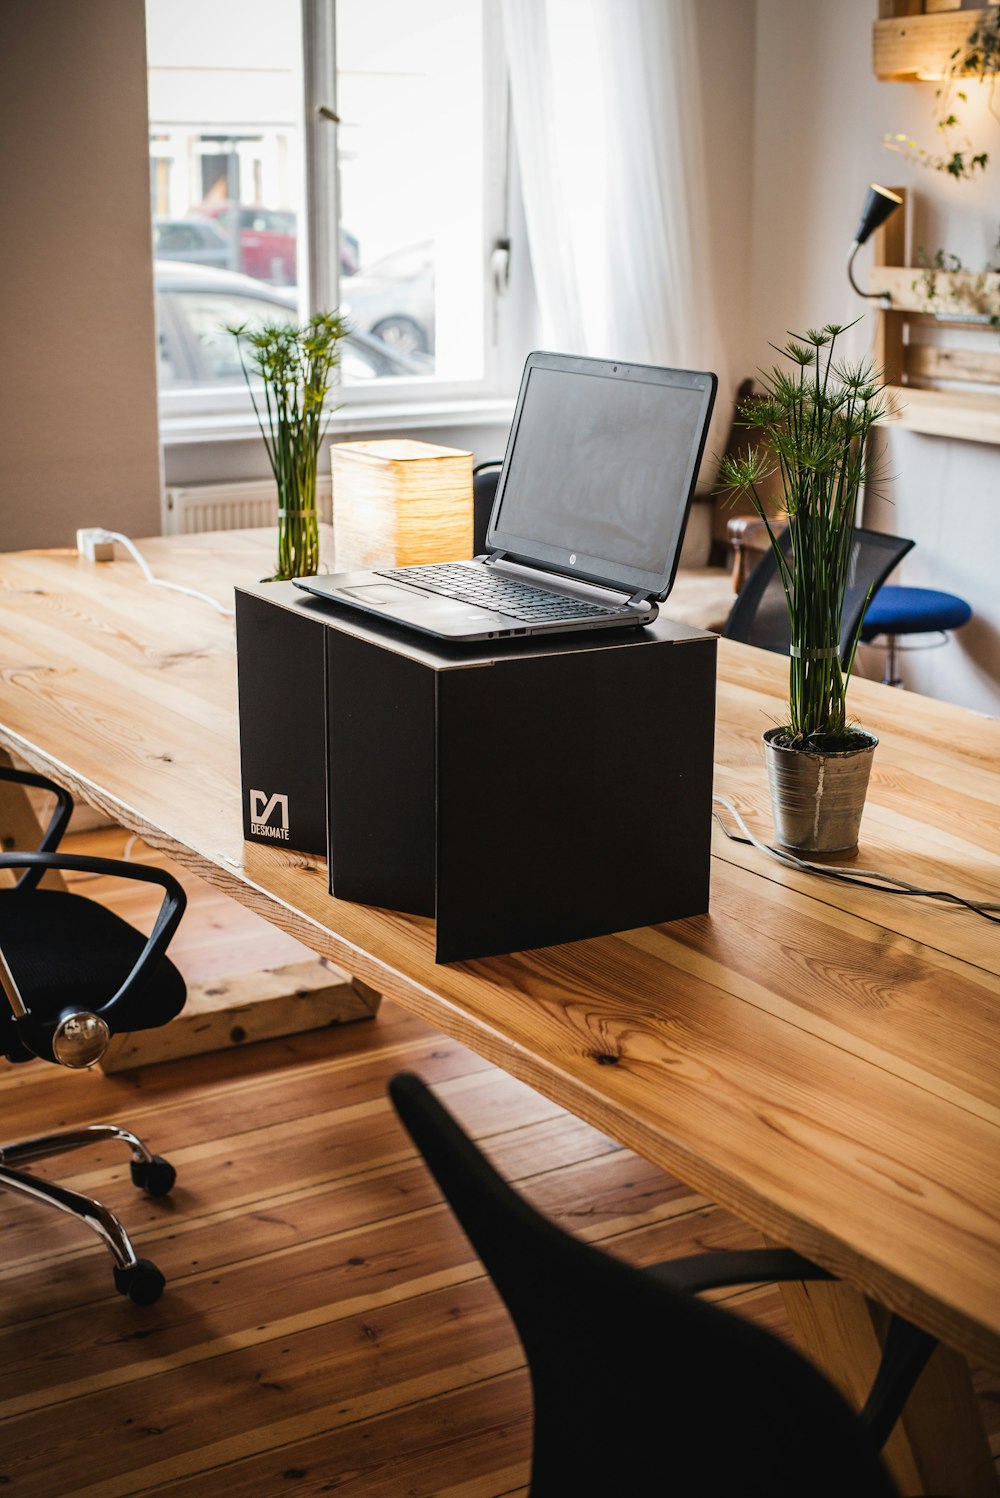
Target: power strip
x,y
95,544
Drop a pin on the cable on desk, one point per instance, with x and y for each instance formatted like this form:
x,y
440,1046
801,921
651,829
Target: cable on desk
x,y
888,884
159,582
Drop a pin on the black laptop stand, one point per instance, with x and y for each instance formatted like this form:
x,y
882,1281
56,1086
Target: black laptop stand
x,y
521,793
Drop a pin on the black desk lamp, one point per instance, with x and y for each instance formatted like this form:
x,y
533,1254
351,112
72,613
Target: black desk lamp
x,y
879,204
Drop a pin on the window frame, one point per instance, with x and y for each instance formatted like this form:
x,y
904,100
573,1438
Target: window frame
x,y
201,413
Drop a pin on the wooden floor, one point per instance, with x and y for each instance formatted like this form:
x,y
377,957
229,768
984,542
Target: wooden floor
x,y
325,1326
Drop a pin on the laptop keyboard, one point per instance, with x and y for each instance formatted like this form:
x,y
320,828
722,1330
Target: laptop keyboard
x,y
488,590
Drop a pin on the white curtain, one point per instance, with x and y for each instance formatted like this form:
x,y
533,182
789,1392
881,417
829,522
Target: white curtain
x,y
606,110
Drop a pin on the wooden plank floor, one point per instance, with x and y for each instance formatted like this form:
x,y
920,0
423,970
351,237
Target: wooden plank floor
x,y
326,1326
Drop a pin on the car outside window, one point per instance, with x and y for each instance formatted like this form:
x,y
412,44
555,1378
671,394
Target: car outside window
x,y
227,90
208,314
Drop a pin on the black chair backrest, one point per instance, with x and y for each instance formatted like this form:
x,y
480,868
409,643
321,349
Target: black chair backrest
x,y
638,1388
485,477
760,614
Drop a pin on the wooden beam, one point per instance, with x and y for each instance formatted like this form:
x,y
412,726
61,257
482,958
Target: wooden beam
x,y
910,47
939,1443
927,361
887,9
889,247
963,414
959,295
251,1006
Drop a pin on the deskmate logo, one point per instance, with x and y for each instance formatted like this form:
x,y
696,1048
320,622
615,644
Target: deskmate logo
x,y
269,816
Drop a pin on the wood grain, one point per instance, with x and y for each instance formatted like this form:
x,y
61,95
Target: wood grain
x,y
955,291
820,1059
968,415
908,45
925,361
325,1325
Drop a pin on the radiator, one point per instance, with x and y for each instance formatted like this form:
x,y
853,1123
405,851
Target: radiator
x,y
230,507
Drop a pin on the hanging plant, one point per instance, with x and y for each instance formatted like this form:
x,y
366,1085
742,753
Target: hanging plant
x,y
978,57
947,289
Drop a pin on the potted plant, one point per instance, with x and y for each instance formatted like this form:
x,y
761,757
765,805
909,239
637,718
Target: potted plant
x,y
295,366
813,428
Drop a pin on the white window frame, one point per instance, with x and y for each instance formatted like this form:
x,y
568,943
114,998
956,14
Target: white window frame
x,y
204,415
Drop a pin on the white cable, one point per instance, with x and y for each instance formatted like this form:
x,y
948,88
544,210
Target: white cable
x,y
159,582
866,878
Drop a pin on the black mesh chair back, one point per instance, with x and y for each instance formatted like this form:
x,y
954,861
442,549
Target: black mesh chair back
x,y
640,1388
485,477
760,614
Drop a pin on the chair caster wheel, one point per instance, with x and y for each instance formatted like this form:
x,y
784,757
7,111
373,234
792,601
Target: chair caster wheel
x,y
156,1176
142,1282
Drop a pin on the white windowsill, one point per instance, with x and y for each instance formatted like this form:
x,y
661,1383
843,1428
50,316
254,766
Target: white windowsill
x,y
236,426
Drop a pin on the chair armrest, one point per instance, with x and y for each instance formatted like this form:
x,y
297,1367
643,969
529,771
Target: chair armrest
x,y
904,1355
167,920
698,1272
58,822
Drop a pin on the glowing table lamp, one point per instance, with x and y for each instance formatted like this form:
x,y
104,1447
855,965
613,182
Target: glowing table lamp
x,y
399,502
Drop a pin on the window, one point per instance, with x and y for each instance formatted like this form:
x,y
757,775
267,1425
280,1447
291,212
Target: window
x,y
263,154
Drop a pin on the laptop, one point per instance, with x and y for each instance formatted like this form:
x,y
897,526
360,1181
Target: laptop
x,y
589,514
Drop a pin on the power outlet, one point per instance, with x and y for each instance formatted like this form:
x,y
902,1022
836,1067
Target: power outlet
x,y
95,544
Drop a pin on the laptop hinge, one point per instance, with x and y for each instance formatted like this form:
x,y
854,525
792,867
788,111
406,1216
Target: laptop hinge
x,y
495,556
638,600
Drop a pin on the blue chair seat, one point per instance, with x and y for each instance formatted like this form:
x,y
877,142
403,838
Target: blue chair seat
x,y
912,611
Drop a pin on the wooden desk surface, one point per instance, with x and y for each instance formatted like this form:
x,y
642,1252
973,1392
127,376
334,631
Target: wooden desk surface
x,y
820,1059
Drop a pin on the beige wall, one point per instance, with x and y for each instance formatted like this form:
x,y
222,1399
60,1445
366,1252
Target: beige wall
x,y
77,369
726,43
820,116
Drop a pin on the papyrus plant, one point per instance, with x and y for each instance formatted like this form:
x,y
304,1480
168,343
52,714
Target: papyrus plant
x,y
814,421
295,365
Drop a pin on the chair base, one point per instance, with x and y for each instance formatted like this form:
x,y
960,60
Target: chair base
x,y
893,649
137,1278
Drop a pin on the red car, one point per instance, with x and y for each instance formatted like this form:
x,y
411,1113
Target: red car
x,y
267,240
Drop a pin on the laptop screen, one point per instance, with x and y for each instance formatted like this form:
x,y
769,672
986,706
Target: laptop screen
x,y
600,469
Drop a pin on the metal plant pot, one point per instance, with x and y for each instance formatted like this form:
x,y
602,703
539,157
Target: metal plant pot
x,y
817,799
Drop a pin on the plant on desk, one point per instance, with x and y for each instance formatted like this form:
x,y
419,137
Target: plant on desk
x,y
295,365
813,428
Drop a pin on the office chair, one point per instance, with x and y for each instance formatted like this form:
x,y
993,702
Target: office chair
x,y
760,614
485,477
638,1386
74,974
910,611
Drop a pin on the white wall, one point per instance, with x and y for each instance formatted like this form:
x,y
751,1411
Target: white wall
x,y
78,376
820,116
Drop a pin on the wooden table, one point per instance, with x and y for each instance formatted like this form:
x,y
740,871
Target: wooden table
x,y
820,1059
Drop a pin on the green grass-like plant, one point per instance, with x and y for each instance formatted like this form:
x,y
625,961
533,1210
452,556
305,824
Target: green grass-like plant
x,y
814,425
295,365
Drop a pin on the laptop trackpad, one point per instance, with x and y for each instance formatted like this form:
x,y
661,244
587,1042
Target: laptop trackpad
x,y
383,593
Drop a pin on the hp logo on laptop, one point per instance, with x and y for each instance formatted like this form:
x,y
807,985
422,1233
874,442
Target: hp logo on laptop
x,y
572,557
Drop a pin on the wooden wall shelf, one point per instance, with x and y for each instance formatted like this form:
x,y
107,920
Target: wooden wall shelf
x,y
962,296
907,47
922,370
946,413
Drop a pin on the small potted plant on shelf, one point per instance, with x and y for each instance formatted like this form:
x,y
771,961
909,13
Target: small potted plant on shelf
x,y
813,428
295,366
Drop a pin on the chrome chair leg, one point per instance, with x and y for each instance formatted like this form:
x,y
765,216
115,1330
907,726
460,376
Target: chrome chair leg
x,y
137,1278
149,1171
94,1213
891,676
